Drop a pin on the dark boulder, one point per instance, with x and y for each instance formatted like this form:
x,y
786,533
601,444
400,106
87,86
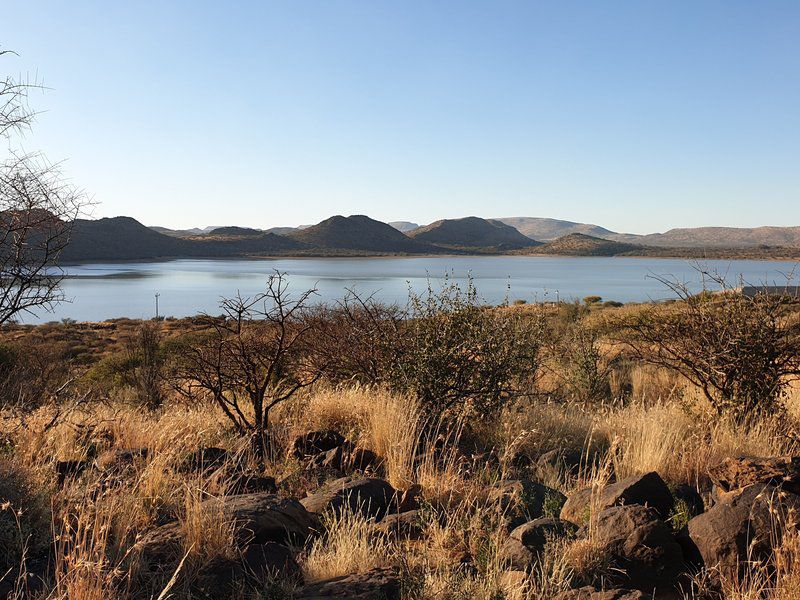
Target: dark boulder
x,y
526,542
377,584
522,500
265,517
737,473
646,490
407,525
160,548
316,442
371,497
204,459
690,498
743,526
251,482
70,469
410,499
590,593
271,560
641,550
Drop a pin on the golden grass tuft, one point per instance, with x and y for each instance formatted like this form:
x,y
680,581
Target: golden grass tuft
x,y
350,545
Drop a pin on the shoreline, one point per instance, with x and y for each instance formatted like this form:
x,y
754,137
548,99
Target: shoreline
x,y
723,254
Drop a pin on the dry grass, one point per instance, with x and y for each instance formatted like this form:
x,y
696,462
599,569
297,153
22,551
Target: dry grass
x,y
205,531
663,427
350,545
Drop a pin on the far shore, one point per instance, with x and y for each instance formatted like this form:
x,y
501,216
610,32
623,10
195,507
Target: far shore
x,y
651,252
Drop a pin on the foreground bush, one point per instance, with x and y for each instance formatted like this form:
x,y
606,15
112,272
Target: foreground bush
x,y
741,351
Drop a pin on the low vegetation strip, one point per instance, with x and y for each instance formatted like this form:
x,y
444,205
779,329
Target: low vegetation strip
x,y
448,450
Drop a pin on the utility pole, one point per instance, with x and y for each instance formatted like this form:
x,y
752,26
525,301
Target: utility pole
x,y
157,295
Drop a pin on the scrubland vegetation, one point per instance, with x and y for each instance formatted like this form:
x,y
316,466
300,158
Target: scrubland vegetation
x,y
287,449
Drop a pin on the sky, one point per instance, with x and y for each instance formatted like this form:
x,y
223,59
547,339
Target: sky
x,y
638,116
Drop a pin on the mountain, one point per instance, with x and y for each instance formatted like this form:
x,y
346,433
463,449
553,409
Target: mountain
x,y
550,229
124,238
280,230
579,244
404,226
178,232
231,231
718,237
359,233
472,232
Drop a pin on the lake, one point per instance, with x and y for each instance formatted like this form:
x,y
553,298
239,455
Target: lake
x,y
187,287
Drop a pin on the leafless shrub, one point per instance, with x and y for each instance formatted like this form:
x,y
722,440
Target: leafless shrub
x,y
37,209
254,357
358,338
146,361
741,350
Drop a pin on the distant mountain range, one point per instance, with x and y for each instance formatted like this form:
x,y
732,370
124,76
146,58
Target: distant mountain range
x,y
124,238
546,230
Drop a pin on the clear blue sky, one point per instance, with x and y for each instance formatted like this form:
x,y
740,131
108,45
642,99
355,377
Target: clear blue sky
x,y
639,116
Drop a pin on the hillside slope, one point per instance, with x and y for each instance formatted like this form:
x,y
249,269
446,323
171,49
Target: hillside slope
x,y
124,238
578,244
359,233
404,226
472,232
545,230
718,237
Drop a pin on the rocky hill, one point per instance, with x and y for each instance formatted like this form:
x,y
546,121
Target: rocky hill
x,y
578,244
124,238
360,233
472,233
546,230
717,237
404,226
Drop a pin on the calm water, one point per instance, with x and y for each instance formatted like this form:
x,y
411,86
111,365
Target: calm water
x,y
186,287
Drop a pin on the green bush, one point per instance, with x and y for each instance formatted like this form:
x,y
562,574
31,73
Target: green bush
x,y
456,354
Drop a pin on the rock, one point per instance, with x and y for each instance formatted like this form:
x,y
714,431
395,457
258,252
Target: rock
x,y
362,459
640,547
371,497
204,459
737,473
742,526
535,534
515,555
690,497
524,500
344,459
590,593
527,541
559,461
70,469
331,461
316,442
161,547
218,579
646,490
250,482
377,584
270,560
264,517
410,499
407,525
